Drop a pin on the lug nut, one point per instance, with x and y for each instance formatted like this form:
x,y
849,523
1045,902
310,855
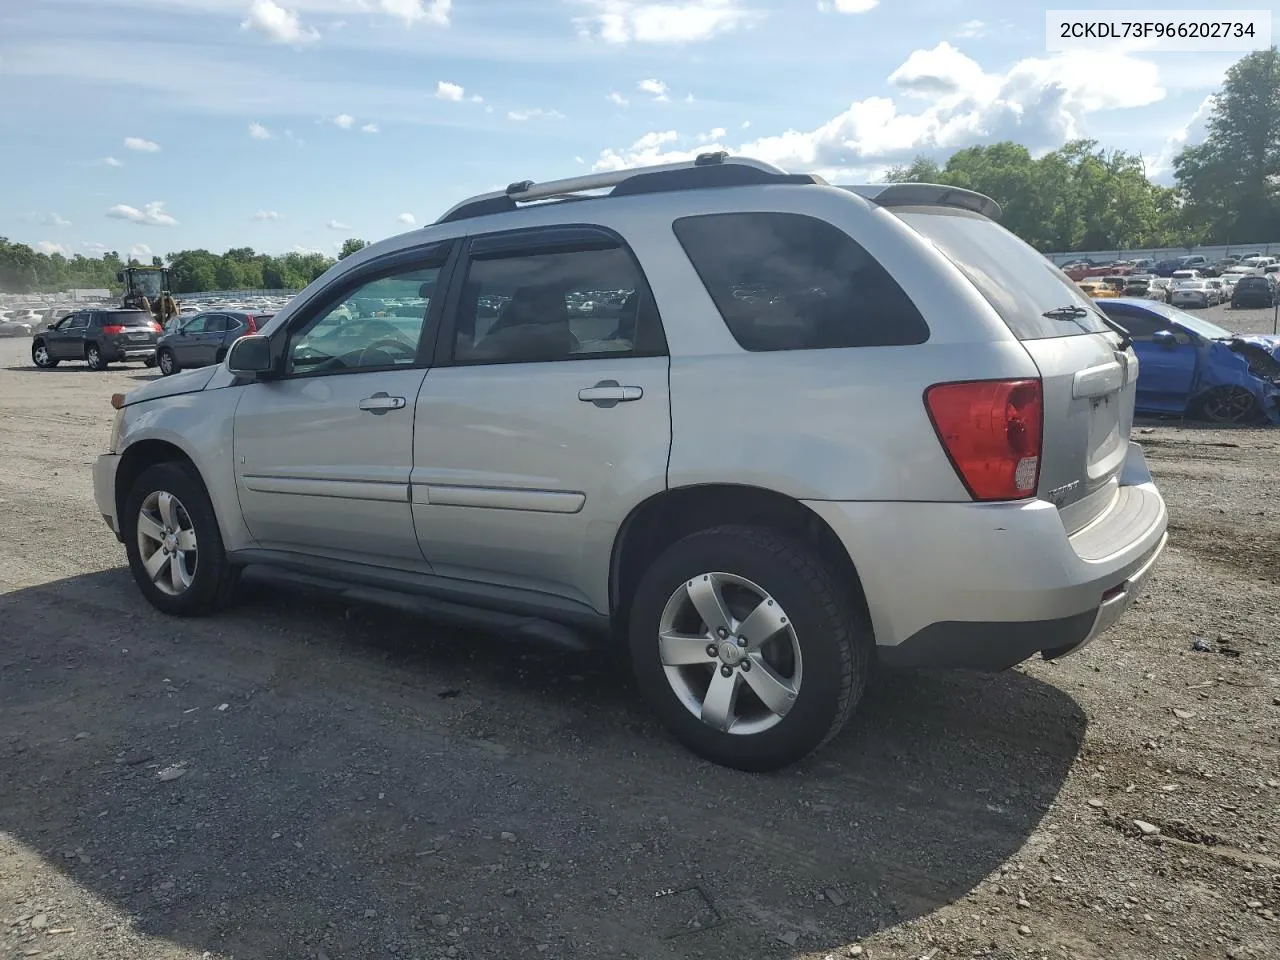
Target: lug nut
x,y
721,632
746,665
726,671
711,650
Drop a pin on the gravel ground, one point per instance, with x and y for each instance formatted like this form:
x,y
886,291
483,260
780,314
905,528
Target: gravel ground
x,y
297,779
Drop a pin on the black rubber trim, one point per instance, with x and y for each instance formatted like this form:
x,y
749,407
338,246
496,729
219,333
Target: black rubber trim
x,y
990,647
500,603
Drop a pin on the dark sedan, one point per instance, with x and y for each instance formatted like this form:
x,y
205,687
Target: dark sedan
x,y
205,338
1253,292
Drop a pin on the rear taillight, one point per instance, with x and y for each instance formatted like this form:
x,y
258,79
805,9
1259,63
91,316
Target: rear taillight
x,y
156,328
253,326
991,430
113,328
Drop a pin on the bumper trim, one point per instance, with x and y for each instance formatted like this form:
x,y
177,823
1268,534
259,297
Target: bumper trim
x,y
992,646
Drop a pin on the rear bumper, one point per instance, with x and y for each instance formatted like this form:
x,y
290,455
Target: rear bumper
x,y
986,586
126,350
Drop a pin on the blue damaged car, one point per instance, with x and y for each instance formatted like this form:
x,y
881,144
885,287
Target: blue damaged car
x,y
1188,366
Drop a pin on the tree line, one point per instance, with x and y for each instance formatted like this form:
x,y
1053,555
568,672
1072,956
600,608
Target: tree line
x,y
1079,197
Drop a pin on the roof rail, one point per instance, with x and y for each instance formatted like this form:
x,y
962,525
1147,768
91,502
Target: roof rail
x,y
707,170
927,195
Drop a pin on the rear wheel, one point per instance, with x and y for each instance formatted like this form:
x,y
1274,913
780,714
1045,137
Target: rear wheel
x,y
93,357
167,362
1228,404
41,357
744,645
174,544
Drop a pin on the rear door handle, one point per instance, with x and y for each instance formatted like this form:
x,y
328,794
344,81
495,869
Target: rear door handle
x,y
380,403
608,393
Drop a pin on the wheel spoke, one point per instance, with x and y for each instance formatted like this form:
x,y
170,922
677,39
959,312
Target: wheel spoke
x,y
682,649
149,528
165,504
776,693
722,695
155,564
177,576
766,620
704,591
187,540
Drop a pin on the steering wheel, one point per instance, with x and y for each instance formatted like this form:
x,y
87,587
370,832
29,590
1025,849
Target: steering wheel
x,y
389,345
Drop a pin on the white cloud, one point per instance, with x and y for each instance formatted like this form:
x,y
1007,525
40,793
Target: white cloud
x,y
651,140
448,91
476,98
619,99
972,28
1193,131
307,251
537,113
435,12
667,21
141,252
50,248
290,136
337,225
369,128
264,215
140,145
112,162
152,214
277,24
336,25
344,120
717,133
847,6
97,249
258,132
407,218
655,87
50,219
1040,102
746,124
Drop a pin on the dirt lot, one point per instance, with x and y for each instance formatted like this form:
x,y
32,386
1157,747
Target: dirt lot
x,y
354,784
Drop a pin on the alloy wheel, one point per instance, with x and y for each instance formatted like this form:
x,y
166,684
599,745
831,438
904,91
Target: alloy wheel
x,y
730,653
1229,404
167,543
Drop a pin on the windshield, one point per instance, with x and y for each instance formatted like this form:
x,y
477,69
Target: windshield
x,y
147,283
1193,323
1018,281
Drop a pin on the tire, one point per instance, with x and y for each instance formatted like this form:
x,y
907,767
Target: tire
x,y
192,582
1228,404
150,361
40,356
167,363
819,653
94,358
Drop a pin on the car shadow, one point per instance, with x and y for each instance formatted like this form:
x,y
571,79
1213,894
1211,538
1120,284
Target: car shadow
x,y
297,775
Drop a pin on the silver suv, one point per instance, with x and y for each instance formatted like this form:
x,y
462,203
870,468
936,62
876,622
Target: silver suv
x,y
763,430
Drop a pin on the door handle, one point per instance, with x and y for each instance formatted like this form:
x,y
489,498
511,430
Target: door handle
x,y
608,393
380,403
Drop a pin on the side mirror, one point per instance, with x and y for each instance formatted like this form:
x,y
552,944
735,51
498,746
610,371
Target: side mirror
x,y
250,357
1165,338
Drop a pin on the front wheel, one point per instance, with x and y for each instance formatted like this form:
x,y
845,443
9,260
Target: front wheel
x,y
173,542
41,357
167,362
1229,405
744,644
93,357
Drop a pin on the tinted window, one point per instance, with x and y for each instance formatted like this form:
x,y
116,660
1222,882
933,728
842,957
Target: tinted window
x,y
78,322
216,324
784,281
362,328
541,307
1018,282
1140,325
126,318
1244,283
196,324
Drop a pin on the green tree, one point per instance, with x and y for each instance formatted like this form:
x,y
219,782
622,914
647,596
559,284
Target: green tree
x,y
351,246
1231,180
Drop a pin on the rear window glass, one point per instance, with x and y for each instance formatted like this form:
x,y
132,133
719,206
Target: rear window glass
x,y
1018,282
784,281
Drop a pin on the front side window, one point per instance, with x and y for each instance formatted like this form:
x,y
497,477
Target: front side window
x,y
196,324
375,325
544,307
784,281
78,322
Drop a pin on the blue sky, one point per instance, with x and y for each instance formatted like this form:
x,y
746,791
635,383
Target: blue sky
x,y
160,125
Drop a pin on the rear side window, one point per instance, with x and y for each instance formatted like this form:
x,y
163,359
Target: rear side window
x,y
784,281
1019,283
